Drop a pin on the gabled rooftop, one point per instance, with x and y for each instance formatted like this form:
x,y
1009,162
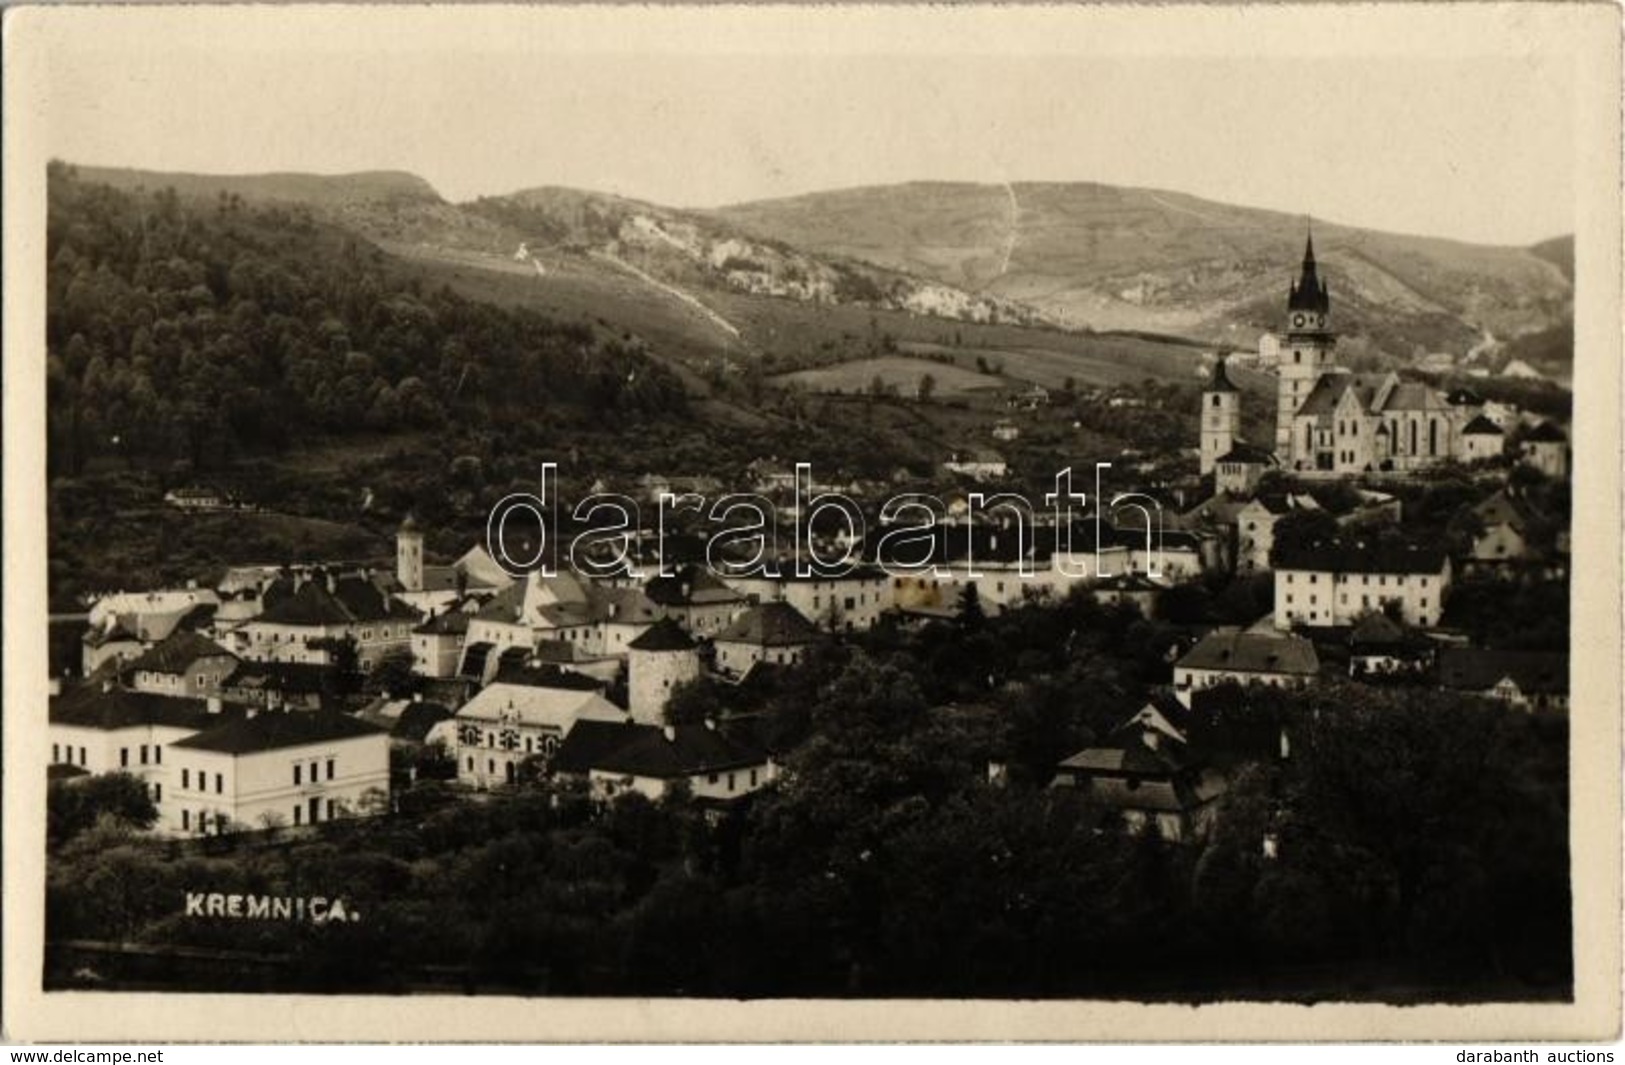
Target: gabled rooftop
x,y
177,653
651,751
110,707
1361,556
351,600
1547,433
277,730
1478,670
690,585
1246,652
775,624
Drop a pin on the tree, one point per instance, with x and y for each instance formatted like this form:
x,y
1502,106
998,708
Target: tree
x,y
928,386
695,701
971,615
392,676
72,806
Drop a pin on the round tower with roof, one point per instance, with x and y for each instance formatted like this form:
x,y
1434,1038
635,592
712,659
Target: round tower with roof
x,y
409,555
1307,350
663,657
1221,417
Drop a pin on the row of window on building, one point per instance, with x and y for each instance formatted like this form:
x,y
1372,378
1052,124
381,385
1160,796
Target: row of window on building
x,y
1365,600
203,781
1365,579
315,774
202,822
156,750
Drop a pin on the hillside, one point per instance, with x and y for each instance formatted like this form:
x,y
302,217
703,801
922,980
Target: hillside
x,y
1105,257
674,257
696,251
181,330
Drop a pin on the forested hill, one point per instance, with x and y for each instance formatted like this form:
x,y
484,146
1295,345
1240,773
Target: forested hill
x,y
199,331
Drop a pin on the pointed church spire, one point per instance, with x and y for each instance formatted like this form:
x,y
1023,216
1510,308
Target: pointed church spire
x,y
1309,293
1221,379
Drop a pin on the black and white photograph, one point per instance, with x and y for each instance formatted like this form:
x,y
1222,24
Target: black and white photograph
x,y
1104,507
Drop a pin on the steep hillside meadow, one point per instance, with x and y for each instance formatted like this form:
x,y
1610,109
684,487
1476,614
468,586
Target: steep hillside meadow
x,y
1104,257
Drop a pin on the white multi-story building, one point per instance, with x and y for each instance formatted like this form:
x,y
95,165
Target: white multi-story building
x,y
508,722
275,769
774,633
716,765
598,620
851,602
1334,584
185,665
104,728
321,611
1244,658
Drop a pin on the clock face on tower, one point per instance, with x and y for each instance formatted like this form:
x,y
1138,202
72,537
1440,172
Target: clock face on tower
x,y
1297,321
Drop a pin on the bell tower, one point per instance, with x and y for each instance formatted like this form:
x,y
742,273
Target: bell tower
x,y
1307,351
1221,417
409,556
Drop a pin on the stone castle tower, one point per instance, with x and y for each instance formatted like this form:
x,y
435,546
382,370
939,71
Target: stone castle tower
x,y
409,556
1221,417
663,657
1307,350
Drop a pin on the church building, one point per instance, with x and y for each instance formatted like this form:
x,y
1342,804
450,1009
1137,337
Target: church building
x,y
1330,421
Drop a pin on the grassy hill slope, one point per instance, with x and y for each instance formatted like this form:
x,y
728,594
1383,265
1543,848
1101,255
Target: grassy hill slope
x,y
1110,257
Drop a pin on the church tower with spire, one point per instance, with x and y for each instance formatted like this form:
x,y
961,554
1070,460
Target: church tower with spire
x,y
1307,351
1221,417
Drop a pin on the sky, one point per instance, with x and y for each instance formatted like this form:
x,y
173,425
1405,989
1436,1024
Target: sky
x,y
1467,135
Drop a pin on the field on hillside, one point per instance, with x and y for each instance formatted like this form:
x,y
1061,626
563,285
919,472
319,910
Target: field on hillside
x,y
576,288
791,335
896,371
1104,362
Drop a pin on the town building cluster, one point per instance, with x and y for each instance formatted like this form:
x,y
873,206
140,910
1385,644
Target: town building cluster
x,y
237,704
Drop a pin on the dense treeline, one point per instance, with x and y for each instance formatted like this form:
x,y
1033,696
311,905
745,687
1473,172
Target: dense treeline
x,y
1421,852
180,329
